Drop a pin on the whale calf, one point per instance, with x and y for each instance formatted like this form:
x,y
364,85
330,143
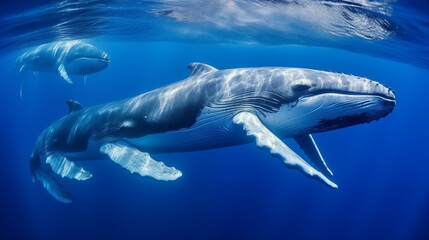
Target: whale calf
x,y
210,109
65,57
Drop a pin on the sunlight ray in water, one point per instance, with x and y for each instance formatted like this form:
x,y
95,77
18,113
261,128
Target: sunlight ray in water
x,y
382,28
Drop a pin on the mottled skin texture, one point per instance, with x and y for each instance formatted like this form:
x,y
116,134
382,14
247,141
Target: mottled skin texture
x,y
195,114
178,106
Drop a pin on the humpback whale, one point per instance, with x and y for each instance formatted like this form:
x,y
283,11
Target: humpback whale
x,y
210,109
64,57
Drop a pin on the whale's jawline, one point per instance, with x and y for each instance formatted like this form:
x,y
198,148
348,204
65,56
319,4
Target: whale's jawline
x,y
345,93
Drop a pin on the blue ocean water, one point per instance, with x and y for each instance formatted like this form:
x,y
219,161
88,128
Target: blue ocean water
x,y
231,193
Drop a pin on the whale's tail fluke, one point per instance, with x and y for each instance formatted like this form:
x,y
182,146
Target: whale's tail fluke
x,y
48,182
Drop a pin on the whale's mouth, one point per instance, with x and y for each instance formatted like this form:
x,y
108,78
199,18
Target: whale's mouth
x,y
84,65
390,97
337,109
105,60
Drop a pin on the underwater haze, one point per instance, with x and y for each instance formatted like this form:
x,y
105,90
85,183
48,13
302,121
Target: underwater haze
x,y
236,192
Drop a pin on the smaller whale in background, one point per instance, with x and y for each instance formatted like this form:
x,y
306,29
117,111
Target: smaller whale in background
x,y
65,57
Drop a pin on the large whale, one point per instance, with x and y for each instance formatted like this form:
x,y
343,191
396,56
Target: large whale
x,y
65,57
210,109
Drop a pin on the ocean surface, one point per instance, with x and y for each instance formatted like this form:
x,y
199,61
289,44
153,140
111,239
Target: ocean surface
x,y
238,192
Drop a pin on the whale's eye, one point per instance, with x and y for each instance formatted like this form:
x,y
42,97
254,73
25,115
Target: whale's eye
x,y
127,125
301,87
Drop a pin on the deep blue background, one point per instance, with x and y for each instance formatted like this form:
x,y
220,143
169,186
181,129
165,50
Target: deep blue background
x,y
238,192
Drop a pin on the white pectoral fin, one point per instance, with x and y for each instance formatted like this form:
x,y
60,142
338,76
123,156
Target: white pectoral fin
x,y
308,145
266,140
63,73
135,161
65,168
45,177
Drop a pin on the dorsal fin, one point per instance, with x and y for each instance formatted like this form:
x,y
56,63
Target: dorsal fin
x,y
74,106
198,68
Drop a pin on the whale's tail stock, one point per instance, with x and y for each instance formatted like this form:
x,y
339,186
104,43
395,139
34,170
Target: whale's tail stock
x,y
48,181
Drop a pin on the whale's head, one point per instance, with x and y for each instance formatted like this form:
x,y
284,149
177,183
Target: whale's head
x,y
83,58
321,101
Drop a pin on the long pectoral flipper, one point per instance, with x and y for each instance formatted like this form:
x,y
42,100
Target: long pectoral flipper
x,y
63,73
48,182
308,145
266,140
135,161
65,168
61,166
